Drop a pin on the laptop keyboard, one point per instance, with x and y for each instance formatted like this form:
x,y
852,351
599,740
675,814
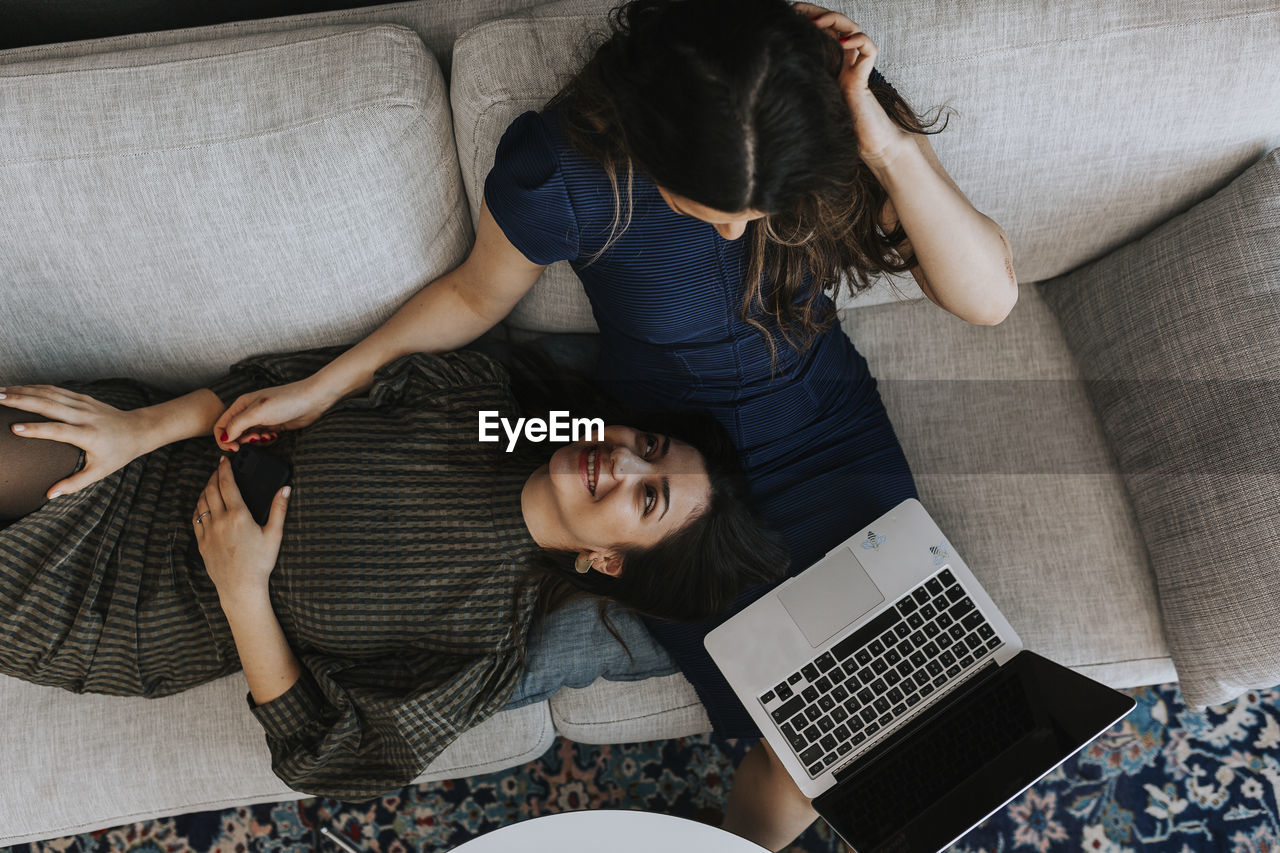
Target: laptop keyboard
x,y
848,695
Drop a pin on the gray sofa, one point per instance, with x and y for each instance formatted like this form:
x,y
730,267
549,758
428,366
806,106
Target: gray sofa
x,y
174,201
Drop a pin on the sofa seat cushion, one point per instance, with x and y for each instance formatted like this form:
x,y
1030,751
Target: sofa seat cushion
x,y
630,711
1009,459
195,751
1179,336
171,210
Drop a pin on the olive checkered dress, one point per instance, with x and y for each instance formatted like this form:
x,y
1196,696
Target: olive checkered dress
x,y
395,583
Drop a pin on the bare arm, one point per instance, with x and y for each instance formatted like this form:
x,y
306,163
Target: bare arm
x,y
964,261
449,312
270,666
239,557
188,416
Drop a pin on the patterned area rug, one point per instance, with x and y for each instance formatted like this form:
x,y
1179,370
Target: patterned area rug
x,y
1164,779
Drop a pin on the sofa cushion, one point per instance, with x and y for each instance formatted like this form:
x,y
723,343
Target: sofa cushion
x,y
486,96
31,22
1179,336
1010,460
624,712
196,751
1057,116
171,210
437,23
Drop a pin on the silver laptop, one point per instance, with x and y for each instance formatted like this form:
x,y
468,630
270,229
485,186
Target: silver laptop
x,y
897,695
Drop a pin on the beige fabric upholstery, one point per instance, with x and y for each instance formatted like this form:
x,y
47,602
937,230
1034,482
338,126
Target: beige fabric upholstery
x,y
485,97
436,23
1011,462
1178,333
171,209
629,711
196,751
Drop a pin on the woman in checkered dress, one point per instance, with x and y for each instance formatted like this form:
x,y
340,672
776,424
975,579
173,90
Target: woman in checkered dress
x,y
387,610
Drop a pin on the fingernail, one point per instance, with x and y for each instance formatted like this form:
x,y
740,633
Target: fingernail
x,y
286,491
224,435
55,495
845,38
19,428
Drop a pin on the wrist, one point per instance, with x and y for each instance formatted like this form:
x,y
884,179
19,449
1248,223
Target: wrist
x,y
183,417
350,373
150,428
891,160
242,595
896,163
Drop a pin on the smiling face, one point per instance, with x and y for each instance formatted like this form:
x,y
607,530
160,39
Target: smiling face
x,y
731,226
631,489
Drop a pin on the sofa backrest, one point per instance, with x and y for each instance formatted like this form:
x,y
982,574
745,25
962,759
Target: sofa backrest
x,y
168,211
437,22
1078,128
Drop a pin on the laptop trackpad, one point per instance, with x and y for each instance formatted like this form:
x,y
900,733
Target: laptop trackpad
x,y
829,595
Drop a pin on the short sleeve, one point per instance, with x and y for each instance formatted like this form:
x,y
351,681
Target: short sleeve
x,y
527,196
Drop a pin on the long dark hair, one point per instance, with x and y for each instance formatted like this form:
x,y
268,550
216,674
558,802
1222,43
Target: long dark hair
x,y
735,104
693,574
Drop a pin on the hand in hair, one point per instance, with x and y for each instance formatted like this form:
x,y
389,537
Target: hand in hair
x,y
110,438
879,137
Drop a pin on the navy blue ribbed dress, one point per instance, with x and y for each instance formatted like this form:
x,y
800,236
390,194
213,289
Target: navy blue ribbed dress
x,y
816,443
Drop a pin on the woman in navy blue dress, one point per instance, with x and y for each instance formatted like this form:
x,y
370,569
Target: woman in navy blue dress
x,y
713,174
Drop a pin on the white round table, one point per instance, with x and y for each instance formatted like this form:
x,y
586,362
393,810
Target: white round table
x,y
607,829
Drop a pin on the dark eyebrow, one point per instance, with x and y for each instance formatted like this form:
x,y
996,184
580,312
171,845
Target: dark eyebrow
x,y
666,445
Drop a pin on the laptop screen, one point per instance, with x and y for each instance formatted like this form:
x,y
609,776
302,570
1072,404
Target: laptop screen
x,y
968,756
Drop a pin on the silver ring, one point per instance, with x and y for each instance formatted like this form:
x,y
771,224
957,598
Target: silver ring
x,y
202,515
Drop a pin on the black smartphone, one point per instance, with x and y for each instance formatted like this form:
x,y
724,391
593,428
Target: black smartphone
x,y
259,475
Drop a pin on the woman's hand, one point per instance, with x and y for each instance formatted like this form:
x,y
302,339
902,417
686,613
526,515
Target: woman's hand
x,y
259,415
238,554
111,438
239,557
879,137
